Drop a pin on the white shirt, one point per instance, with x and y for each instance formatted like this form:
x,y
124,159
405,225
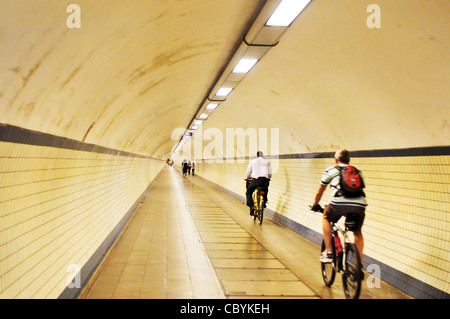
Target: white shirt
x,y
259,167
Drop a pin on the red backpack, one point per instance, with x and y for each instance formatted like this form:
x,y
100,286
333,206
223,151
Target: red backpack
x,y
351,182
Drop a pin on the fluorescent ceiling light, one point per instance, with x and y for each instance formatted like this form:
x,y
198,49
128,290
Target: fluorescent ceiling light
x,y
212,106
224,91
245,65
204,116
198,122
286,12
195,127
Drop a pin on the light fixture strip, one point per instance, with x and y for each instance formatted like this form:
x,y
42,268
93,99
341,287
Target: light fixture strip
x,y
287,12
283,15
224,91
244,65
212,106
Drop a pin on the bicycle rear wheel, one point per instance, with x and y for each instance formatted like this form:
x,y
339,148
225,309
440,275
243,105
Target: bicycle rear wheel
x,y
261,208
351,278
255,205
328,269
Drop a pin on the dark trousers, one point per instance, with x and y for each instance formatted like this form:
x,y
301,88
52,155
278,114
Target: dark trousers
x,y
254,184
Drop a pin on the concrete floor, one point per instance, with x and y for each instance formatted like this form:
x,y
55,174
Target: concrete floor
x,y
189,240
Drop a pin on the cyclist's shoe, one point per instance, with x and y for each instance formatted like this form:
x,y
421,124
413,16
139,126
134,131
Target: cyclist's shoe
x,y
251,212
326,257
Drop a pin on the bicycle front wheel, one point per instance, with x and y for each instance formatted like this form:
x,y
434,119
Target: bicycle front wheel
x,y
351,278
328,269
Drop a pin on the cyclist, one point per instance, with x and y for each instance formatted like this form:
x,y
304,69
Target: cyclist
x,y
261,171
339,206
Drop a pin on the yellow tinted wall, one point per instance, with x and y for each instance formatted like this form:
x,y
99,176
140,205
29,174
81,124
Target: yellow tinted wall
x,y
57,206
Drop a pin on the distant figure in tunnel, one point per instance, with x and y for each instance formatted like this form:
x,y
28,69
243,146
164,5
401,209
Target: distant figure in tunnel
x,y
340,204
184,167
261,172
189,166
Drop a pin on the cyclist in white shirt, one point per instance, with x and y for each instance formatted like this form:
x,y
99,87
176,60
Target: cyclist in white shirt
x,y
261,172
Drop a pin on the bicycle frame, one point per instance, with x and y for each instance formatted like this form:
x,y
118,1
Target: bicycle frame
x,y
258,202
349,265
336,230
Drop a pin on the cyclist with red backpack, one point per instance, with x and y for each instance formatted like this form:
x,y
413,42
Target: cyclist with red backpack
x,y
348,197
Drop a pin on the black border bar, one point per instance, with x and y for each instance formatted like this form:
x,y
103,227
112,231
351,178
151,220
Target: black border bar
x,y
14,134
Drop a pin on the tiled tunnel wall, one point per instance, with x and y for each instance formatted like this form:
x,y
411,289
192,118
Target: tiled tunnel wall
x,y
58,205
407,225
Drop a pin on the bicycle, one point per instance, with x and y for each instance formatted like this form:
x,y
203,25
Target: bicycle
x,y
346,259
258,203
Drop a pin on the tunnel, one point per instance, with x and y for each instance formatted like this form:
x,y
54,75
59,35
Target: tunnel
x,y
101,102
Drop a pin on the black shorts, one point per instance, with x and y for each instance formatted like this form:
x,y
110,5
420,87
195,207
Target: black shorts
x,y
334,212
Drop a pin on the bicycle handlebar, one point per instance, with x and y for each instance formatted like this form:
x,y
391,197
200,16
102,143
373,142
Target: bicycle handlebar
x,y
318,209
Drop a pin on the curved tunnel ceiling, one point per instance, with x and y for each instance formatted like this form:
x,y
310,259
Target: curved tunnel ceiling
x,y
133,72
137,70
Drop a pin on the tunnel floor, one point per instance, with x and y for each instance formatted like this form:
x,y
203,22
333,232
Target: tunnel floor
x,y
190,240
